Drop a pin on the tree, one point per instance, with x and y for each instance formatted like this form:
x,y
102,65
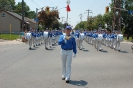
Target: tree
x,y
31,14
7,4
18,9
55,24
27,12
81,25
48,18
90,21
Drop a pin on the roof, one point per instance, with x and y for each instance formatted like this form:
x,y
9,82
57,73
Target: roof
x,y
30,20
19,17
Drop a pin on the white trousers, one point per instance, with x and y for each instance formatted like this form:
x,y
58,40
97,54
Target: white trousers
x,y
113,43
117,45
66,57
46,42
30,43
34,40
80,44
99,44
77,42
50,41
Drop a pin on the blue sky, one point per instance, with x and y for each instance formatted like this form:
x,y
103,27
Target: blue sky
x,y
77,7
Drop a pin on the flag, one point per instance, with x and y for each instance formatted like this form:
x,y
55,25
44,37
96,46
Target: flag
x,y
68,8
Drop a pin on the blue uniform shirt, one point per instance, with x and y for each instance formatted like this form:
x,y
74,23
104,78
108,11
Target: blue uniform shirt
x,y
49,34
77,35
112,36
70,44
104,35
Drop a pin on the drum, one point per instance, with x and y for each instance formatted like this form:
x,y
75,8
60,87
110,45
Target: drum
x,y
81,36
100,37
28,36
45,35
120,37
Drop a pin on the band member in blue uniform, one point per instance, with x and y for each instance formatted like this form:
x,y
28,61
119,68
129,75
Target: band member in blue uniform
x,y
68,47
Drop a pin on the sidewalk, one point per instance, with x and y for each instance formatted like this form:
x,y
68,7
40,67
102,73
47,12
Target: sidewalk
x,y
4,42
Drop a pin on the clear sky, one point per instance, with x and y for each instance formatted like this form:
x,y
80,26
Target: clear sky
x,y
77,7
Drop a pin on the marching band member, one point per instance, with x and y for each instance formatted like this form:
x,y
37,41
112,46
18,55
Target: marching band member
x,y
81,37
33,38
77,38
109,39
41,36
46,39
99,40
112,40
72,33
90,37
29,38
119,39
105,38
50,38
68,46
94,35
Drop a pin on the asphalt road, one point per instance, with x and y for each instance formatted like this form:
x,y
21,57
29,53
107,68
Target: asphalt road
x,y
40,68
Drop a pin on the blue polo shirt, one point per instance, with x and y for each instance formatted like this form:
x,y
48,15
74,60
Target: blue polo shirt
x,y
70,44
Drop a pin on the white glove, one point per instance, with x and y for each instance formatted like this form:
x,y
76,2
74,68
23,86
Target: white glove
x,y
74,55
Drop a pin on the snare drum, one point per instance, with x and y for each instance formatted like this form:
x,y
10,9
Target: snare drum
x,y
45,35
119,37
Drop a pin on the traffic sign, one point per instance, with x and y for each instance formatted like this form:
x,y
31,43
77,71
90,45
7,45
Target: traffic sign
x,y
36,19
130,12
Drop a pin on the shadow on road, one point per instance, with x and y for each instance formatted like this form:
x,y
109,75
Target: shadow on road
x,y
54,44
86,50
32,49
104,51
124,52
50,49
78,83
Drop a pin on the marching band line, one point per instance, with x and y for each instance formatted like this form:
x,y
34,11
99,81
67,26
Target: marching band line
x,y
95,38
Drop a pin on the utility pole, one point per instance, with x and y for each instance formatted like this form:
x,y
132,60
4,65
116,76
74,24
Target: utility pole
x,y
89,11
81,17
116,24
22,15
62,21
36,19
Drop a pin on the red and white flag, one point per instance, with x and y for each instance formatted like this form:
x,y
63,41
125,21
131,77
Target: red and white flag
x,y
68,8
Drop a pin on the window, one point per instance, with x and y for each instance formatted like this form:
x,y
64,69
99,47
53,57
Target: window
x,y
3,14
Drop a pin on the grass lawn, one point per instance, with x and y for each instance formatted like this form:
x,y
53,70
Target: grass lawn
x,y
9,37
130,39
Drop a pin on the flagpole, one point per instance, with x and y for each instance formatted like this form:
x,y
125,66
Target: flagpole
x,y
67,17
68,9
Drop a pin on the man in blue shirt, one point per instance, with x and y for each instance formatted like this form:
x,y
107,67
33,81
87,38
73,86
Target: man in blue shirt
x,y
68,46
50,37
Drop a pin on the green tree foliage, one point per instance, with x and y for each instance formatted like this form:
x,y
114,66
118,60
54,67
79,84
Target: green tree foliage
x,y
107,18
7,4
27,12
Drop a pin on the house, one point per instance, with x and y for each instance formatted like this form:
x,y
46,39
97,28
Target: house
x,y
10,20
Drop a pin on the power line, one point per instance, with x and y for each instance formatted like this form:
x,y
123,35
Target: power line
x,y
52,2
42,2
93,3
35,3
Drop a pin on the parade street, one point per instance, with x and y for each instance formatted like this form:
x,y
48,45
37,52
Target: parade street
x,y
40,68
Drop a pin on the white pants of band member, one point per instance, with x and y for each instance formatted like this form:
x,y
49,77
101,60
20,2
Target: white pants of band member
x,y
66,57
